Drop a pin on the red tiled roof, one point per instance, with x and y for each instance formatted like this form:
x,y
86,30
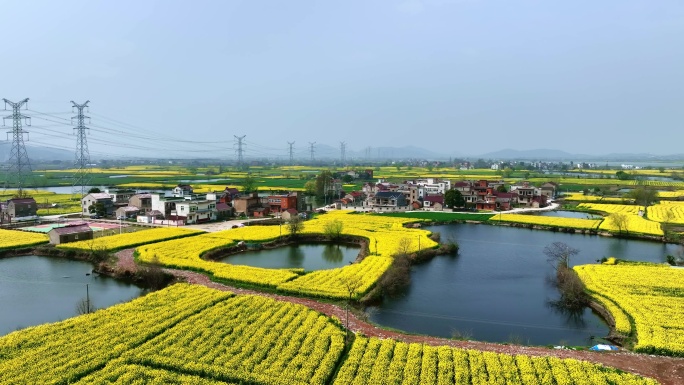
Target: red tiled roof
x,y
434,198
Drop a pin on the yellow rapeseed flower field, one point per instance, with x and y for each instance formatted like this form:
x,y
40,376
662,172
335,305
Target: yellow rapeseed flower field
x,y
386,236
634,222
576,223
122,241
579,197
189,334
384,361
671,194
186,330
13,239
652,295
667,212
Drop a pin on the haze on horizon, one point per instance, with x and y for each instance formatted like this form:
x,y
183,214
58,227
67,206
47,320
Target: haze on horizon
x,y
458,77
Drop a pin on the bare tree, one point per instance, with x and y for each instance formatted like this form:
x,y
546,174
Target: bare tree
x,y
558,254
571,287
404,246
620,221
84,306
352,284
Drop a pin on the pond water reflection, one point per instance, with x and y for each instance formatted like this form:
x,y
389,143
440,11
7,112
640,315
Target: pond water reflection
x,y
36,290
306,256
496,289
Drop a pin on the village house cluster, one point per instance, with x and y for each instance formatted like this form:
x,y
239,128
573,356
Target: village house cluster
x,y
184,206
429,194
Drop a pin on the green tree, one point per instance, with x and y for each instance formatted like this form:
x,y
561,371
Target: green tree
x,y
324,184
310,188
454,198
501,188
98,209
347,179
333,229
644,196
623,175
94,190
295,225
249,184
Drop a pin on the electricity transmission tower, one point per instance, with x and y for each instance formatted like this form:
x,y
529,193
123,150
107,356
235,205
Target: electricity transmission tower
x,y
240,158
343,150
82,163
312,150
19,165
291,154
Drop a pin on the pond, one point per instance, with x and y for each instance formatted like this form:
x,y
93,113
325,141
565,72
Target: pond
x,y
567,214
306,256
35,290
496,288
62,189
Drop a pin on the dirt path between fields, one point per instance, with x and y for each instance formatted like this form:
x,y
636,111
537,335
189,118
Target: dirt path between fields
x,y
667,370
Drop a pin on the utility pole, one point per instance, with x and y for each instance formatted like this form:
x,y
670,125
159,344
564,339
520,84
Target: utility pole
x,y
19,164
311,150
82,164
291,154
239,149
343,150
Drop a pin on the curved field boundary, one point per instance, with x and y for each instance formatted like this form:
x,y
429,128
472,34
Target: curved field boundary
x,y
667,370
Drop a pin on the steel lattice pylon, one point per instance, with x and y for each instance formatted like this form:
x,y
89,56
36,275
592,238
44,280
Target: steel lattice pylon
x,y
19,170
82,163
240,159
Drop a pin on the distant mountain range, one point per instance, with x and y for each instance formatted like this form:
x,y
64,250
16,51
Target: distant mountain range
x,y
37,153
326,152
549,154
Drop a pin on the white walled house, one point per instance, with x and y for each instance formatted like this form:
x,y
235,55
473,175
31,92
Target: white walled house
x,y
196,211
163,204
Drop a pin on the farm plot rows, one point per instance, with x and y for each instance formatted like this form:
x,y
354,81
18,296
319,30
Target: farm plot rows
x,y
184,331
652,296
667,212
64,352
634,223
376,361
386,237
579,197
188,334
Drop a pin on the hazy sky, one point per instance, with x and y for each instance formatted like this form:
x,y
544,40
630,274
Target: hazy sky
x,y
459,77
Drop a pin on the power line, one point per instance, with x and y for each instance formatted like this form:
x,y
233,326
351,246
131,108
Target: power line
x,y
82,164
19,164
